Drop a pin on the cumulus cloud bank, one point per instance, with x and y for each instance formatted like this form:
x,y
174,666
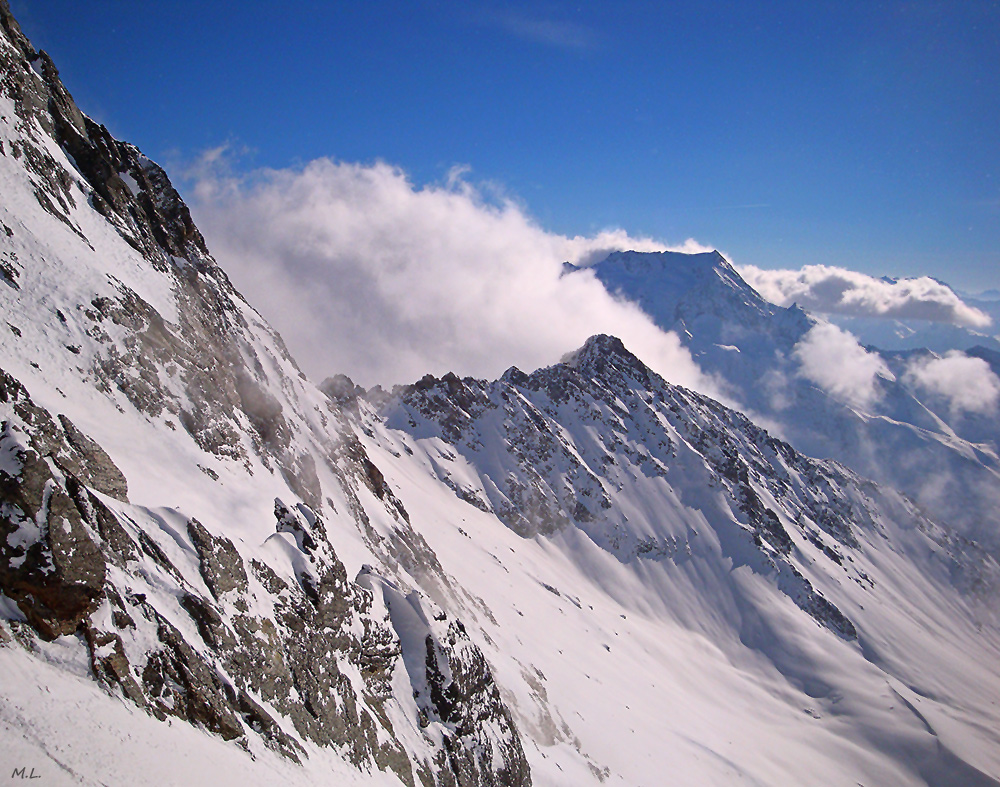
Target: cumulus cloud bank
x,y
366,274
968,385
833,359
833,290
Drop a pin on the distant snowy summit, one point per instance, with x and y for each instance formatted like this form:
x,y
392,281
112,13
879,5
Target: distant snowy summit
x,y
696,291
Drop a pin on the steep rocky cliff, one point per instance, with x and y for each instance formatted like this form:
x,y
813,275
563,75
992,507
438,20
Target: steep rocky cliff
x,y
111,296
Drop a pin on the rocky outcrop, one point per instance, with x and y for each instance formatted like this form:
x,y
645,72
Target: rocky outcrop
x,y
318,667
154,219
50,563
464,697
221,565
457,698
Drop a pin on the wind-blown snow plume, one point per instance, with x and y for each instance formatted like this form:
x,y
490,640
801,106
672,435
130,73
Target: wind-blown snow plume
x,y
833,359
365,273
967,384
833,290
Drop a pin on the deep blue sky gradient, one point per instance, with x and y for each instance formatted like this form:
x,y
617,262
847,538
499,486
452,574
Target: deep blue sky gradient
x,y
862,134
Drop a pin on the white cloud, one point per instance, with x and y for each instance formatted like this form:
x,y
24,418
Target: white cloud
x,y
967,384
559,33
833,359
365,274
832,290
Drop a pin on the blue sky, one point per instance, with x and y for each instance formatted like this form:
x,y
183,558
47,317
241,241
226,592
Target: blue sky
x,y
784,133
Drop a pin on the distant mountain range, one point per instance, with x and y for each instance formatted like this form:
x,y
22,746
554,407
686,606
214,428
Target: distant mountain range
x,y
765,355
937,337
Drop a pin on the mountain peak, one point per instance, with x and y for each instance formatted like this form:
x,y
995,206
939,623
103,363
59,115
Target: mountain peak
x,y
677,288
12,30
679,265
126,187
598,346
602,353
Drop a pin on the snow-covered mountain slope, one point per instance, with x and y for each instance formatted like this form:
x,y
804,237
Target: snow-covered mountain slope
x,y
700,295
211,571
171,483
832,595
771,359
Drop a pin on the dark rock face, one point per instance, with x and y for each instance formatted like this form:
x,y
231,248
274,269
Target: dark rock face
x,y
96,468
221,565
179,682
464,696
57,579
458,699
49,561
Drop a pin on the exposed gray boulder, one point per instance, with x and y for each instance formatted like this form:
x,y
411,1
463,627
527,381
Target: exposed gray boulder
x,y
221,565
49,562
